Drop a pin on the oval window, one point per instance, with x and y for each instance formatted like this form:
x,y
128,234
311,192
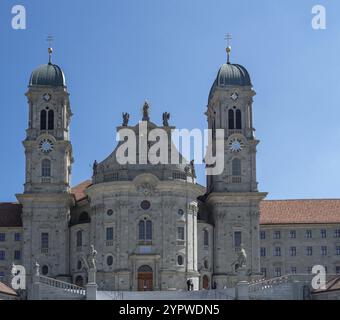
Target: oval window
x,y
110,212
44,270
180,260
109,260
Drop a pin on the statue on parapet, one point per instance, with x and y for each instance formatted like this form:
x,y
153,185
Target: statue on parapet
x,y
126,118
166,117
94,167
146,111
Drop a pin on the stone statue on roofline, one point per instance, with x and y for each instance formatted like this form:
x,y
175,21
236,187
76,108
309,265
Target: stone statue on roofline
x,y
166,117
126,117
146,111
94,167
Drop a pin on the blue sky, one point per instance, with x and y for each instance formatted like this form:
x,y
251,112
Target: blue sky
x,y
116,54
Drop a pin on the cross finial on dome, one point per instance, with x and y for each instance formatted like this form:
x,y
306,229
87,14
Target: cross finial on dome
x,y
50,50
228,49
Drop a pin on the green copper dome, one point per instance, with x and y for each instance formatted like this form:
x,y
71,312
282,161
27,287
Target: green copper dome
x,y
48,75
231,75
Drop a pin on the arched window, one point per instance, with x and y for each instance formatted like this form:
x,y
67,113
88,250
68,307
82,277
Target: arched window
x,y
50,120
144,268
236,167
145,230
46,168
206,237
141,230
231,119
148,233
238,119
43,116
79,238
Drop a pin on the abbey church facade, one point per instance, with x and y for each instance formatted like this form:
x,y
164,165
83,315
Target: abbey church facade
x,y
153,226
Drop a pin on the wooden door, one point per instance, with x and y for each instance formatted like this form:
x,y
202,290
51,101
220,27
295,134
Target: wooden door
x,y
205,282
145,281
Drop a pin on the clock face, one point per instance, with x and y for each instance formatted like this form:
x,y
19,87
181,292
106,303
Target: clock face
x,y
47,97
234,96
46,145
236,145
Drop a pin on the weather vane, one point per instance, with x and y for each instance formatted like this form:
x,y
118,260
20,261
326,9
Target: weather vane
x,y
228,49
50,50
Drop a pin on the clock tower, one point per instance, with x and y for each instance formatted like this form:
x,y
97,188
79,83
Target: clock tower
x,y
47,199
233,195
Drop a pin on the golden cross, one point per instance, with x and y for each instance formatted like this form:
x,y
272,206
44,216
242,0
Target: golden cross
x,y
50,50
228,49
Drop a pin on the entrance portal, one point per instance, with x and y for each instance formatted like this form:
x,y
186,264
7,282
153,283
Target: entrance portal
x,y
205,282
145,278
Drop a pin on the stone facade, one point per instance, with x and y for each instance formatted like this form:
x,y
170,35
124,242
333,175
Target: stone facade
x,y
153,226
114,215
10,250
295,249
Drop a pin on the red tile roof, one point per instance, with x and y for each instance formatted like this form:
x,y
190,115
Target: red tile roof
x,y
300,211
7,290
78,190
308,211
10,214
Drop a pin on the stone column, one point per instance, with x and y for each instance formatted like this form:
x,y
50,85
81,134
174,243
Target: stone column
x,y
36,282
242,285
91,287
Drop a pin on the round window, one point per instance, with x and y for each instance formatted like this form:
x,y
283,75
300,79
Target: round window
x,y
44,270
109,260
110,212
145,204
180,212
180,260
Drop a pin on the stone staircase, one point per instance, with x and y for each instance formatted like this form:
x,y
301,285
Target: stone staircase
x,y
223,294
46,288
288,287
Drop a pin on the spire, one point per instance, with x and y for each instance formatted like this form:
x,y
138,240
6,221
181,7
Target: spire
x,y
50,50
228,49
